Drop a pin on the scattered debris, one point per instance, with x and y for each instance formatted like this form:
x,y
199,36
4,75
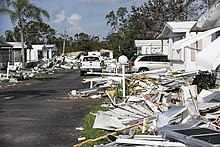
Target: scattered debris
x,y
79,128
15,75
165,106
162,105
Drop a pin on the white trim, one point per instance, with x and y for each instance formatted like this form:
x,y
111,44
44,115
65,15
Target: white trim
x,y
210,56
178,45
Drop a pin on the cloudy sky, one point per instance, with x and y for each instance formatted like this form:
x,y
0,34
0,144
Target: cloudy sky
x,y
76,16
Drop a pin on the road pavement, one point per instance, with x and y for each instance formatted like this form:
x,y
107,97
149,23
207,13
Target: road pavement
x,y
38,113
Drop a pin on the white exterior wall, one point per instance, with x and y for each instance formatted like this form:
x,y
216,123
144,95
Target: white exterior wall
x,y
50,54
182,59
33,57
94,53
44,52
47,54
190,65
145,50
170,52
111,55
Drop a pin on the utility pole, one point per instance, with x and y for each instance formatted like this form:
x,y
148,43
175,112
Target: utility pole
x,y
64,42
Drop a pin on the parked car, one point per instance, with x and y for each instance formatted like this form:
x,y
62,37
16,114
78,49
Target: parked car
x,y
141,63
90,64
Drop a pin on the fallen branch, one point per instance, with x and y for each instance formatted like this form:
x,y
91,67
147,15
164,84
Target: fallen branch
x,y
105,136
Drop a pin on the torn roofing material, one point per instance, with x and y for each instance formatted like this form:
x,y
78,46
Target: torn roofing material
x,y
181,44
203,137
210,56
106,122
164,118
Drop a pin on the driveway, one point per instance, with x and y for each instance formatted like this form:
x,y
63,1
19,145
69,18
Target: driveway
x,y
38,113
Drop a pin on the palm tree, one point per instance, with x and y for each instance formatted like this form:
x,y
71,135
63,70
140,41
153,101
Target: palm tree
x,y
20,11
2,3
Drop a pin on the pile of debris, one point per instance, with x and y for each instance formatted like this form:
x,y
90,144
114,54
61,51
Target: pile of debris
x,y
14,75
165,108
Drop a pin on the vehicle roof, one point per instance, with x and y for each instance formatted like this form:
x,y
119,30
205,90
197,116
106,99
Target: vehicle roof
x,y
91,56
152,55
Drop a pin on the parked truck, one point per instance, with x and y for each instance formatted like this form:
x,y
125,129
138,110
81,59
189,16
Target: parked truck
x,y
90,64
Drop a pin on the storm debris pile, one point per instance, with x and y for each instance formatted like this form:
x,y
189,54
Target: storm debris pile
x,y
166,109
16,74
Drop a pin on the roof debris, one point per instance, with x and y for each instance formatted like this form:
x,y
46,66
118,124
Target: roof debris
x,y
15,73
165,108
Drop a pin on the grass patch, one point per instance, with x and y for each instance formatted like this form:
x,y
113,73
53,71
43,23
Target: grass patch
x,y
40,75
4,85
91,133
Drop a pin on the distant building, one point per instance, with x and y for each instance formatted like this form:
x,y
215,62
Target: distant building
x,y
180,59
16,55
33,53
41,52
102,53
152,46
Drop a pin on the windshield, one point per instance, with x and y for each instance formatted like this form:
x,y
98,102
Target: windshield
x,y
90,59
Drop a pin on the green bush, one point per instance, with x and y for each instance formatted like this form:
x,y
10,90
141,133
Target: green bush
x,y
204,80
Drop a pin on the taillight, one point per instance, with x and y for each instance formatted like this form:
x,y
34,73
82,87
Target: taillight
x,y
80,65
132,63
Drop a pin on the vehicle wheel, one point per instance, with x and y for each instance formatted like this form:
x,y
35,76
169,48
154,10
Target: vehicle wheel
x,y
81,73
143,69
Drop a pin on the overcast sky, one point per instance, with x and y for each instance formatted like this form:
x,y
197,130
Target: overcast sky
x,y
76,16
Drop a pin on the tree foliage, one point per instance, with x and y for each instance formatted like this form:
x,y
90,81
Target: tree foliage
x,y
127,24
39,33
20,11
13,36
146,21
85,42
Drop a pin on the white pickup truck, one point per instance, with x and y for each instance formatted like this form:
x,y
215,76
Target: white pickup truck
x,y
90,64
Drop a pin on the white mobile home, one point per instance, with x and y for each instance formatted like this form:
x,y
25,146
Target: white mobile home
x,y
41,52
152,46
175,31
5,53
16,53
210,56
195,45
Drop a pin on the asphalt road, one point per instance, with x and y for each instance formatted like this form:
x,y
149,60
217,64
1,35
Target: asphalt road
x,y
38,113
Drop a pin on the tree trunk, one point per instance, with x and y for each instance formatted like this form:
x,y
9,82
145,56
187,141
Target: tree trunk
x,y
22,43
22,48
64,42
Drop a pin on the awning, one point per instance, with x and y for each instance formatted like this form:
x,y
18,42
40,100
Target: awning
x,y
178,45
210,56
4,44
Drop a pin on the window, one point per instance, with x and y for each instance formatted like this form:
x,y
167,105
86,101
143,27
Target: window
x,y
145,58
91,59
155,58
193,55
164,59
